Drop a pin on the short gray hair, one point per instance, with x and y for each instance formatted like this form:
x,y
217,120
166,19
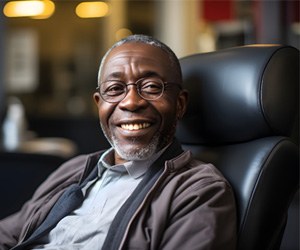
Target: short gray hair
x,y
150,41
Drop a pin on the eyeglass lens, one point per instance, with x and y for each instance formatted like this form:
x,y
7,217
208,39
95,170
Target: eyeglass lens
x,y
115,91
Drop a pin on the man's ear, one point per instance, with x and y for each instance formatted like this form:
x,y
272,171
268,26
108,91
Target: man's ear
x,y
96,98
182,102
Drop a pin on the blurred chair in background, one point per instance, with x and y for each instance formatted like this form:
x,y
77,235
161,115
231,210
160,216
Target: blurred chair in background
x,y
242,117
20,175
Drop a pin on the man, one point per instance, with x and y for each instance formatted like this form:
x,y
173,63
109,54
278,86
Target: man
x,y
143,193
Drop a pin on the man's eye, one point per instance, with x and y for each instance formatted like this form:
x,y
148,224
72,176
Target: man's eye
x,y
151,87
113,89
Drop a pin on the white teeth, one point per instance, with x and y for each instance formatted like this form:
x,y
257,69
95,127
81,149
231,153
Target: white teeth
x,y
135,126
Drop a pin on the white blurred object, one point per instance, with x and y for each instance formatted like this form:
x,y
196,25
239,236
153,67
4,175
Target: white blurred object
x,y
14,125
56,146
22,68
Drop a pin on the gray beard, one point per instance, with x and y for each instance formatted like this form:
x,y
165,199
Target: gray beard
x,y
139,153
158,142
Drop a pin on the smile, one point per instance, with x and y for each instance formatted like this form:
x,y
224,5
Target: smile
x,y
135,126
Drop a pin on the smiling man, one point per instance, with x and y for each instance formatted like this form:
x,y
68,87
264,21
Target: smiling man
x,y
140,100
144,192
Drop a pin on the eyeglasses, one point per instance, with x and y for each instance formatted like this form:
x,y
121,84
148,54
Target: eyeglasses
x,y
148,88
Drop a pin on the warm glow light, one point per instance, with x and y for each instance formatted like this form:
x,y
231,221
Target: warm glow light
x,y
122,33
30,8
92,9
49,8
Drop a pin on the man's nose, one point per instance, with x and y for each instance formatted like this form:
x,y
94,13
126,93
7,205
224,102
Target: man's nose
x,y
132,100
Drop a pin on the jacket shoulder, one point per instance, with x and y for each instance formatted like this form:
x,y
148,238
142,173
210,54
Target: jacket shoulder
x,y
72,171
186,165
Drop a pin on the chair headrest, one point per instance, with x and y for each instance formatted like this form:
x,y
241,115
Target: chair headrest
x,y
240,94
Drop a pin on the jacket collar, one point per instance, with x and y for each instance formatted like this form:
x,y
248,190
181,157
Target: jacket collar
x,y
173,164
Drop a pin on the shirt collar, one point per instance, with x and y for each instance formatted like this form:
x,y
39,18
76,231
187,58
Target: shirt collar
x,y
135,169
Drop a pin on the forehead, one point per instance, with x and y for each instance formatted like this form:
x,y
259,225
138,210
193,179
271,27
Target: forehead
x,y
135,58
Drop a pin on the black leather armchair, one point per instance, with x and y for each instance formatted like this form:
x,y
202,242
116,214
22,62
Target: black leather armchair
x,y
243,117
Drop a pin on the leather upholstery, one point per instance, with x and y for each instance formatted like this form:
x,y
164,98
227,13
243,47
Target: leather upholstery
x,y
242,116
240,94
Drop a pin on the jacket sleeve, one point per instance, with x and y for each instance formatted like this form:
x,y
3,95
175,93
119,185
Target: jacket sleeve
x,y
203,217
8,237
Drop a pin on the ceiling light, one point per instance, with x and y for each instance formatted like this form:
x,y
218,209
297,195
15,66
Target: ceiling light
x,y
49,8
30,8
92,9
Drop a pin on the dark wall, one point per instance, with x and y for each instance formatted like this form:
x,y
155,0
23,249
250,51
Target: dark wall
x,y
2,38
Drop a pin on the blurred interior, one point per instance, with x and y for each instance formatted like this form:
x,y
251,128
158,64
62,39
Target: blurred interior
x,y
50,60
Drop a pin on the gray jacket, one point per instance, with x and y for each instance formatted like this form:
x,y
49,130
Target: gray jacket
x,y
189,206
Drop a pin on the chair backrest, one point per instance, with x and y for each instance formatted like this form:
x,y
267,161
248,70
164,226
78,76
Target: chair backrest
x,y
242,116
20,175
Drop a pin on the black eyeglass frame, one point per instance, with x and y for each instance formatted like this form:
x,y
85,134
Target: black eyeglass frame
x,y
164,85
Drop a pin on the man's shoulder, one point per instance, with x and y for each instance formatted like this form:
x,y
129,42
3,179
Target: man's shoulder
x,y
188,165
83,158
76,166
70,172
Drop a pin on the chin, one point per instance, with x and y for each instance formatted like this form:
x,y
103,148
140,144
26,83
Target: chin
x,y
136,153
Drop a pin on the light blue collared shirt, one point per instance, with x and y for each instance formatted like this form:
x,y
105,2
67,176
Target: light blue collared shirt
x,y
87,226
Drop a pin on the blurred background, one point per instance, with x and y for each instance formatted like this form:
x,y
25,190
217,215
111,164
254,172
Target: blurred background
x,y
51,50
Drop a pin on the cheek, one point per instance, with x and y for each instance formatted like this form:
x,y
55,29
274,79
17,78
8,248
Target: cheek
x,y
168,114
105,111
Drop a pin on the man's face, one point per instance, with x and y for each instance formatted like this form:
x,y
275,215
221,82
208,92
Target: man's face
x,y
135,127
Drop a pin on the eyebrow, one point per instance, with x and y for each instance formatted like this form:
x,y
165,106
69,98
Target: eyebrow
x,y
150,74
115,75
145,74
